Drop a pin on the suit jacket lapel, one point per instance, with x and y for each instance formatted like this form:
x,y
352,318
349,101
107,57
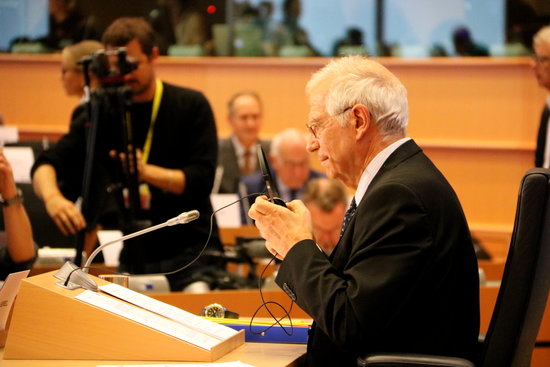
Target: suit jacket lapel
x,y
401,154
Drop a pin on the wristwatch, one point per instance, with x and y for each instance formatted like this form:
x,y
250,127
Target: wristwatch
x,y
218,311
17,199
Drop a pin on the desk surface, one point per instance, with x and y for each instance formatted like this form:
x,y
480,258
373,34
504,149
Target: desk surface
x,y
255,354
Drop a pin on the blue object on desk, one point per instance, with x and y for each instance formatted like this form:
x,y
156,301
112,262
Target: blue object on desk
x,y
273,335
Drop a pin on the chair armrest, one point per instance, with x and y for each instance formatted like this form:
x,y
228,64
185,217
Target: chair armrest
x,y
411,360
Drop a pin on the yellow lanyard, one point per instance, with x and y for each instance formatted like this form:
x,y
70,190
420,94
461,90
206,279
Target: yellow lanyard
x,y
154,113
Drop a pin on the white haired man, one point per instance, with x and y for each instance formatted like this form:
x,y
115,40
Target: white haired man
x,y
291,166
403,277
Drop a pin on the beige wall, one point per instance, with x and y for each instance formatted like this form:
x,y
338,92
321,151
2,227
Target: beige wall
x,y
475,117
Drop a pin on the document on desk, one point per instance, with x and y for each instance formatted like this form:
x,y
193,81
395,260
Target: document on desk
x,y
223,364
188,319
7,295
149,319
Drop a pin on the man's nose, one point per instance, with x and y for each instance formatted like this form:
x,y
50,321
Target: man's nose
x,y
312,143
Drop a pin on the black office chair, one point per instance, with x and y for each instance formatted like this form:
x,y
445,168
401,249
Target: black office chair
x,y
523,292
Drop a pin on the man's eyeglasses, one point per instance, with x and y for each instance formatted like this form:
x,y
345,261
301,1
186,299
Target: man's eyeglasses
x,y
540,59
314,127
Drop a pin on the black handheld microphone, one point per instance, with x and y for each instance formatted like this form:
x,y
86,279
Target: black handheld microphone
x,y
85,281
272,194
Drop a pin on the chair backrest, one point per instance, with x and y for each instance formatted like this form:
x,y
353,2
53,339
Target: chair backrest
x,y
524,289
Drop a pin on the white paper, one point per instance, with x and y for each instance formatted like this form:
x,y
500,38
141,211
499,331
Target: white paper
x,y
21,160
7,294
188,319
9,134
229,217
149,319
110,253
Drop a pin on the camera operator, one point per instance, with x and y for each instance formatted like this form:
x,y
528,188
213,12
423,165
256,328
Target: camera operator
x,y
174,133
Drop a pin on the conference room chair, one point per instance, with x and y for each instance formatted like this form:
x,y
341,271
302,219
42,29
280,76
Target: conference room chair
x,y
523,293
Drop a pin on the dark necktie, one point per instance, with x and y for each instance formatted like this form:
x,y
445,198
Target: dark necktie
x,y
247,164
349,215
293,194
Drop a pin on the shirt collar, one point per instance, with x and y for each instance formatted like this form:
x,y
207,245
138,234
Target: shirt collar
x,y
239,148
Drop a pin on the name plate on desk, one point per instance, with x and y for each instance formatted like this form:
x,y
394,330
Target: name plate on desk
x,y
266,332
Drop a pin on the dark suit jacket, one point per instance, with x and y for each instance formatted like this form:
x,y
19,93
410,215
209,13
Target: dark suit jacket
x,y
403,277
541,137
227,158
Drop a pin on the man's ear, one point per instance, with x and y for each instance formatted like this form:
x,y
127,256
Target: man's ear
x,y
362,120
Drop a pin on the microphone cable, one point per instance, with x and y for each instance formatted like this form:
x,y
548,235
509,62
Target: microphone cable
x,y
266,305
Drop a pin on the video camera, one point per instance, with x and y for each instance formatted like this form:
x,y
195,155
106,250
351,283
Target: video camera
x,y
109,66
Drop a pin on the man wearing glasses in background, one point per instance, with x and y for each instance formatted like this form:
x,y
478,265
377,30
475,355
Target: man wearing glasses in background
x,y
541,66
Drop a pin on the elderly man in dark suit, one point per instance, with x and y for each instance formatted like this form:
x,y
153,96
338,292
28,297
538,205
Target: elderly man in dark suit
x,y
403,277
541,66
237,153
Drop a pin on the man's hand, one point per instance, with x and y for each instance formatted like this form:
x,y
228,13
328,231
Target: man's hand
x,y
281,227
65,215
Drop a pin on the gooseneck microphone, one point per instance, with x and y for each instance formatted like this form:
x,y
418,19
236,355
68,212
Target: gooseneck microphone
x,y
67,270
183,218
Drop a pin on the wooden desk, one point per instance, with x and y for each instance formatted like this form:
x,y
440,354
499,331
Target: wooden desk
x,y
493,268
247,301
244,301
255,354
228,236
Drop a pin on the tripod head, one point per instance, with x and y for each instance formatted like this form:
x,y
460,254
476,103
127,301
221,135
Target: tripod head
x,y
109,66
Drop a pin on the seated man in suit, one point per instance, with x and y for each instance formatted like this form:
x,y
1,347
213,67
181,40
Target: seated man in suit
x,y
327,200
403,277
291,167
237,153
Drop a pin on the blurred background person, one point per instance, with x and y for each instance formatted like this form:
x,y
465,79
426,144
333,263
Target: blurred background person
x,y
289,32
237,155
291,166
72,73
353,40
67,25
465,45
190,27
541,67
327,201
17,250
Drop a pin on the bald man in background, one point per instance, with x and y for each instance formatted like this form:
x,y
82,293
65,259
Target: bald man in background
x,y
291,167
